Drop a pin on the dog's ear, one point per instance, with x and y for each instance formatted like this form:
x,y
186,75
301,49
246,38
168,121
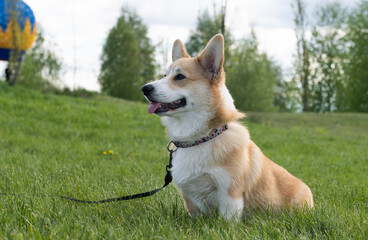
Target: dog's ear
x,y
178,50
212,57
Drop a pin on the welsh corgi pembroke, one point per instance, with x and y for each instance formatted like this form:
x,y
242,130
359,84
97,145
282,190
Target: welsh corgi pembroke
x,y
216,166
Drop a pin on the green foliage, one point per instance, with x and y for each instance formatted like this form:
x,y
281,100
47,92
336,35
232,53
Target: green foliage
x,y
44,153
41,67
327,52
287,95
332,66
127,58
80,92
207,27
356,85
252,77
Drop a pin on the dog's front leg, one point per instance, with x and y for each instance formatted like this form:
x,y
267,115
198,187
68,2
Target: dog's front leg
x,y
192,209
230,208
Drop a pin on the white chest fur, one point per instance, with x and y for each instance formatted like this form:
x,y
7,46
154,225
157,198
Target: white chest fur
x,y
203,184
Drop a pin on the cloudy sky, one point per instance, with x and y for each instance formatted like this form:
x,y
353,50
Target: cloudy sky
x,y
77,29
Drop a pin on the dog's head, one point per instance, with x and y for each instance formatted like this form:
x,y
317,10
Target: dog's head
x,y
195,85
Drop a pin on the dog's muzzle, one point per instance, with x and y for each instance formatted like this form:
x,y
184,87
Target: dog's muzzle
x,y
161,107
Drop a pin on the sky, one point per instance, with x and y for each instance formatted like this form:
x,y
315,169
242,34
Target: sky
x,y
76,29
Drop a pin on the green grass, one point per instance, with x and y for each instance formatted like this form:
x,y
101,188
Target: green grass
x,y
53,145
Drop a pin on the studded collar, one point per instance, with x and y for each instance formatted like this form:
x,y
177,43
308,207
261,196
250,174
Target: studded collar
x,y
214,133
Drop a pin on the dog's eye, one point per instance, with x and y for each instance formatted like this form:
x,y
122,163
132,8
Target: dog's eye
x,y
179,77
164,75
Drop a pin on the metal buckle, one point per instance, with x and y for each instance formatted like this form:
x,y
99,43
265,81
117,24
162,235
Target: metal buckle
x,y
170,149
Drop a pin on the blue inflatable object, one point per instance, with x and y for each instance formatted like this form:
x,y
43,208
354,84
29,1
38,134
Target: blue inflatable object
x,y
17,27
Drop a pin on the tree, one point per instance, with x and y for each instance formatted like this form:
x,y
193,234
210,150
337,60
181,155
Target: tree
x,y
302,64
41,67
252,77
207,27
286,95
327,52
356,64
127,58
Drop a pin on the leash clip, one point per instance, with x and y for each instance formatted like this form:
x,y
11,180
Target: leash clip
x,y
169,147
171,151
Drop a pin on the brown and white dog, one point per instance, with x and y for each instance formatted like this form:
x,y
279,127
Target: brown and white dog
x,y
228,173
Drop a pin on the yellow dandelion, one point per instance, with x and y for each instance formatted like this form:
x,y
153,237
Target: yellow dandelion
x,y
104,153
111,152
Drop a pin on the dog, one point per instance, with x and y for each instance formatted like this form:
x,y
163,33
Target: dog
x,y
216,166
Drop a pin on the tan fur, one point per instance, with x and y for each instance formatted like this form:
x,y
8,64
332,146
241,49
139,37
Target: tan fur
x,y
260,181
188,68
223,115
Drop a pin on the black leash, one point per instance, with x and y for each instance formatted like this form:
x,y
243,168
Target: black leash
x,y
168,180
168,177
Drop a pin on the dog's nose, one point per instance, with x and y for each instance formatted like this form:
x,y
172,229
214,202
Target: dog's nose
x,y
147,89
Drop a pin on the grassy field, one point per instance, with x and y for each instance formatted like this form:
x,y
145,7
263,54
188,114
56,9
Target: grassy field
x,y
53,145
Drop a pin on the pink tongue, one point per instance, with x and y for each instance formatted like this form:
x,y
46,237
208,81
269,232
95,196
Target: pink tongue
x,y
153,107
